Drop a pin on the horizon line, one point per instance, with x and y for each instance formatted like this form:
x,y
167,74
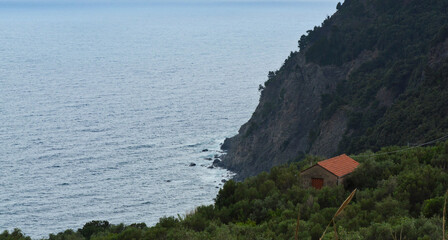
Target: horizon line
x,y
54,3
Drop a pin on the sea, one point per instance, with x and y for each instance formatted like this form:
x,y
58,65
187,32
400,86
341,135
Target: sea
x,y
116,111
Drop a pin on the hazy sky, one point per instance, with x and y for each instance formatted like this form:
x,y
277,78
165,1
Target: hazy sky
x,y
160,1
83,3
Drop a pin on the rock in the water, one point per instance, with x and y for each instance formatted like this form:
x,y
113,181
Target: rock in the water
x,y
223,181
216,162
205,150
192,164
210,167
208,158
216,156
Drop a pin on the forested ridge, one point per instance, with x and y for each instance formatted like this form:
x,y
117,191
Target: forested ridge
x,y
400,193
374,74
398,96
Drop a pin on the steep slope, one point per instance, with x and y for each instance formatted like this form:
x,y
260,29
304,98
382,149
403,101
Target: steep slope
x,y
374,74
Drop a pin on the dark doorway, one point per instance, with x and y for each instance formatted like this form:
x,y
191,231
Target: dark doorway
x,y
317,183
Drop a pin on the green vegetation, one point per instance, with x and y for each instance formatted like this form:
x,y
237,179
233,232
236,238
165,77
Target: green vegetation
x,y
400,191
398,95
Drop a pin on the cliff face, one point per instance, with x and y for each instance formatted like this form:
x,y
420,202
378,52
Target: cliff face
x,y
282,127
355,85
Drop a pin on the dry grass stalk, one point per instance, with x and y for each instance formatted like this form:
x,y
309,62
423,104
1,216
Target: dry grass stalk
x,y
394,236
401,232
335,231
339,211
444,217
297,227
345,203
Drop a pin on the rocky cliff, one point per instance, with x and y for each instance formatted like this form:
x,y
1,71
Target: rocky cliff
x,y
282,127
342,92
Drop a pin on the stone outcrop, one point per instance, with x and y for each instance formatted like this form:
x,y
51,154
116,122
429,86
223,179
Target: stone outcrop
x,y
285,125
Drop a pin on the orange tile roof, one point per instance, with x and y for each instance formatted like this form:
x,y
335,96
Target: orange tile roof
x,y
340,165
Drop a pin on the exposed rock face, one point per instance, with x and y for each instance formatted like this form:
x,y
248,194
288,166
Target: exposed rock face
x,y
331,134
283,126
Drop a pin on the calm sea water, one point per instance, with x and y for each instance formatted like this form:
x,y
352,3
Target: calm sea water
x,y
103,108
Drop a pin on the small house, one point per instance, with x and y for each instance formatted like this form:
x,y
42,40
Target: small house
x,y
330,172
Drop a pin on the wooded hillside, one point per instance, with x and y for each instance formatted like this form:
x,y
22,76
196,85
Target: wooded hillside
x,y
374,74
